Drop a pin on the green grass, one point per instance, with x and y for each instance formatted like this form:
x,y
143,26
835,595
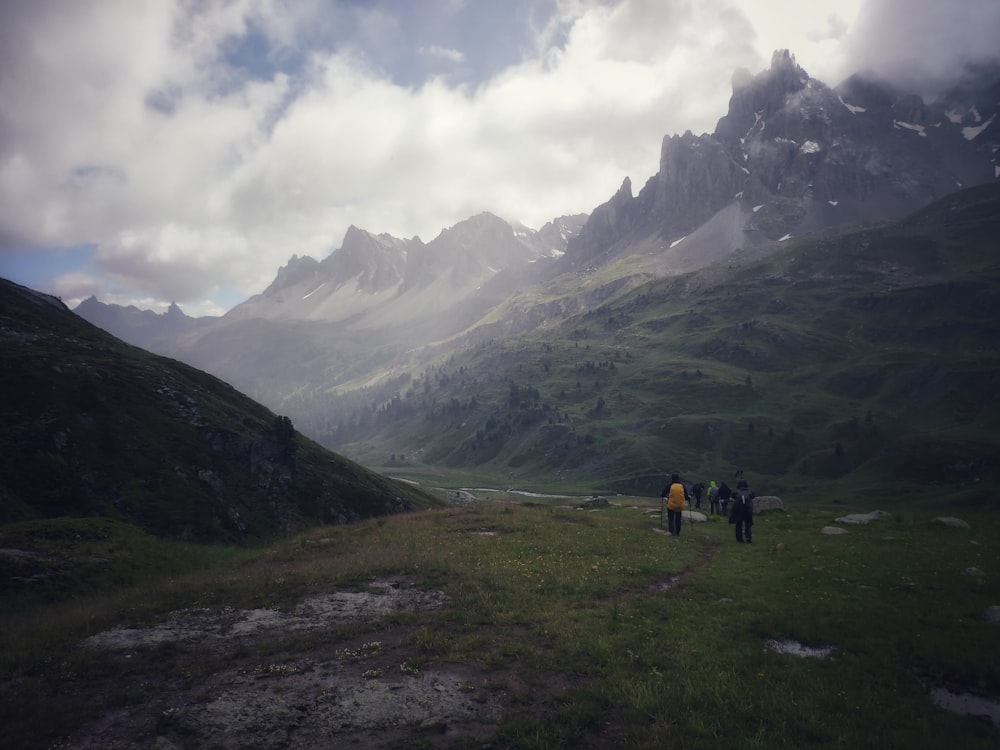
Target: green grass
x,y
618,634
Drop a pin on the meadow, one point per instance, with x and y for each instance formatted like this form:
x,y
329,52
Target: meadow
x,y
599,629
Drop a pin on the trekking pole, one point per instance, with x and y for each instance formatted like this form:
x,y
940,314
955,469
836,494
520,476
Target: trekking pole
x,y
691,519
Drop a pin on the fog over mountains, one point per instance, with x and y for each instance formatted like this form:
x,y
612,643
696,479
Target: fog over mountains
x,y
792,156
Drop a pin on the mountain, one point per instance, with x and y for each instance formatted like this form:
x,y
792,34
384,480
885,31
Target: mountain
x,y
856,365
794,156
140,327
363,309
351,344
96,427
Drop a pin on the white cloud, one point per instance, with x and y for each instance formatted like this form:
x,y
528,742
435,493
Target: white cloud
x,y
127,125
921,44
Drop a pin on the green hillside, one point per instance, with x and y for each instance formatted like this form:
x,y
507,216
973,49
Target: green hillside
x,y
854,364
94,427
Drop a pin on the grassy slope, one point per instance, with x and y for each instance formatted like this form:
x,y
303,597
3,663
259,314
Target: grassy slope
x,y
94,427
859,363
619,636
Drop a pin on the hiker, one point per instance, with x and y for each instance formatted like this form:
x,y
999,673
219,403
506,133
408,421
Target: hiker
x,y
696,490
676,494
742,515
713,498
724,494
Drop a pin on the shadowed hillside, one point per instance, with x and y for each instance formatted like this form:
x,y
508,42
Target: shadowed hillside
x,y
95,427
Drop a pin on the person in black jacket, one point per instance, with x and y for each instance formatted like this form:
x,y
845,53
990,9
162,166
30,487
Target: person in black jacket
x,y
724,494
696,490
742,513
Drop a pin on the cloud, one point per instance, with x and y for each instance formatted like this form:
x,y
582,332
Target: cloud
x,y
198,146
924,45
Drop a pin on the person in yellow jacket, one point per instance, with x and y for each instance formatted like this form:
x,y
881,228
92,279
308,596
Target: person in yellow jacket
x,y
676,496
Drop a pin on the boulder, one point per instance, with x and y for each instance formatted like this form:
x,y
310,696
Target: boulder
x,y
693,515
765,503
595,501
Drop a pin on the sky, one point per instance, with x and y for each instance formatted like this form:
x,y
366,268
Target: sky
x,y
183,150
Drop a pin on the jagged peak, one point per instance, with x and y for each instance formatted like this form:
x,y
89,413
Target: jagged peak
x,y
293,272
782,59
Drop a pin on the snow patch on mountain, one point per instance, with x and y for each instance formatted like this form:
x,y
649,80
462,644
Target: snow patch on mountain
x,y
855,109
310,294
971,132
919,129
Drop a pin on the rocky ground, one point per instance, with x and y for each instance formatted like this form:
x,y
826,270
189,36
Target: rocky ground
x,y
268,679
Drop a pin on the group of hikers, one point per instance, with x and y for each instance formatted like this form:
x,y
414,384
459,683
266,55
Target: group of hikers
x,y
676,496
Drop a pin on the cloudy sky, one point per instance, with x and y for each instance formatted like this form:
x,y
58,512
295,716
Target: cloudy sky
x,y
159,150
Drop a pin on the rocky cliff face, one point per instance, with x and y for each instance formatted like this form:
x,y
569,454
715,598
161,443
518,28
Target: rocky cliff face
x,y
799,156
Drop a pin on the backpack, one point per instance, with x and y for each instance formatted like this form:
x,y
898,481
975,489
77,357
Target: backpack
x,y
742,500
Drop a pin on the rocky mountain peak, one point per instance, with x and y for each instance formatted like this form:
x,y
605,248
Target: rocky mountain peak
x,y
606,223
292,273
376,262
757,97
794,155
174,312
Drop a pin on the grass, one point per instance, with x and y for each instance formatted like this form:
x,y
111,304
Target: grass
x,y
618,634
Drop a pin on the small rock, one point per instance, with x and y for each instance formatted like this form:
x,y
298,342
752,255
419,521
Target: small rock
x,y
993,615
832,530
861,518
955,523
976,572
434,724
780,547
794,648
